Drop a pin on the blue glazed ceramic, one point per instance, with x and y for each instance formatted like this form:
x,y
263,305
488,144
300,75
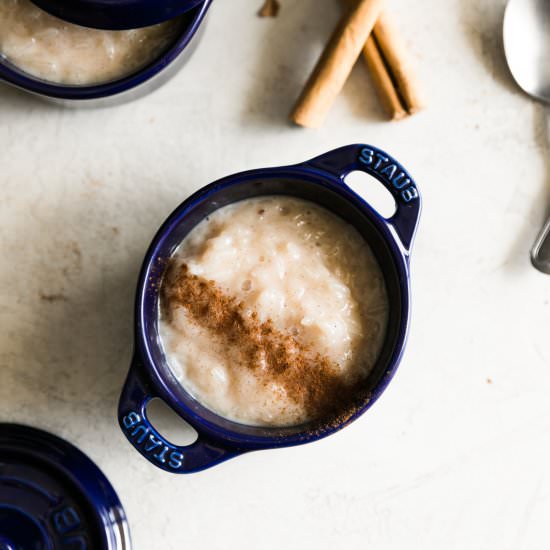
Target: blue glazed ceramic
x,y
320,180
117,14
120,91
53,496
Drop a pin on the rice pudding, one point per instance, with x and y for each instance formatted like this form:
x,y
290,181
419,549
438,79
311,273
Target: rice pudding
x,y
273,312
57,51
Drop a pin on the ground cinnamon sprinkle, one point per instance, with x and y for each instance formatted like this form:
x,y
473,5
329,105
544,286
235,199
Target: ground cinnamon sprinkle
x,y
309,379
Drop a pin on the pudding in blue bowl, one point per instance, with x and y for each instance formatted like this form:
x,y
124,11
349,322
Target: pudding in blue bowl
x,y
88,66
272,309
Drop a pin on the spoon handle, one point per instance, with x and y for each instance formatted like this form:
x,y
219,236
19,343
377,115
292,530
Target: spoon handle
x,y
540,252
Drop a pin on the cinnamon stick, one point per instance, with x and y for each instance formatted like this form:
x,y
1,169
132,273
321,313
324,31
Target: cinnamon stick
x,y
397,60
336,62
382,80
388,62
269,9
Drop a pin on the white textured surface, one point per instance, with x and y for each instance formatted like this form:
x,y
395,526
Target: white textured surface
x,y
444,459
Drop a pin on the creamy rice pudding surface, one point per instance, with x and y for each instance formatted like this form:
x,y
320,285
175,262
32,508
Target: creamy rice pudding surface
x,y
273,310
54,50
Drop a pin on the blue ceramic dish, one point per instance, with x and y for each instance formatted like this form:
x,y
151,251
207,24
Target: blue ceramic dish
x,y
320,180
120,91
117,14
53,496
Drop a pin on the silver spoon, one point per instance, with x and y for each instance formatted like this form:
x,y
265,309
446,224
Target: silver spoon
x,y
527,48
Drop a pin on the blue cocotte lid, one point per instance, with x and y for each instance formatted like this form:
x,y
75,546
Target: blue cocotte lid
x,y
116,14
52,496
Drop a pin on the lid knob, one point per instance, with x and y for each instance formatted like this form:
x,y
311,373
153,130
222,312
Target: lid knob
x,y
5,544
19,530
